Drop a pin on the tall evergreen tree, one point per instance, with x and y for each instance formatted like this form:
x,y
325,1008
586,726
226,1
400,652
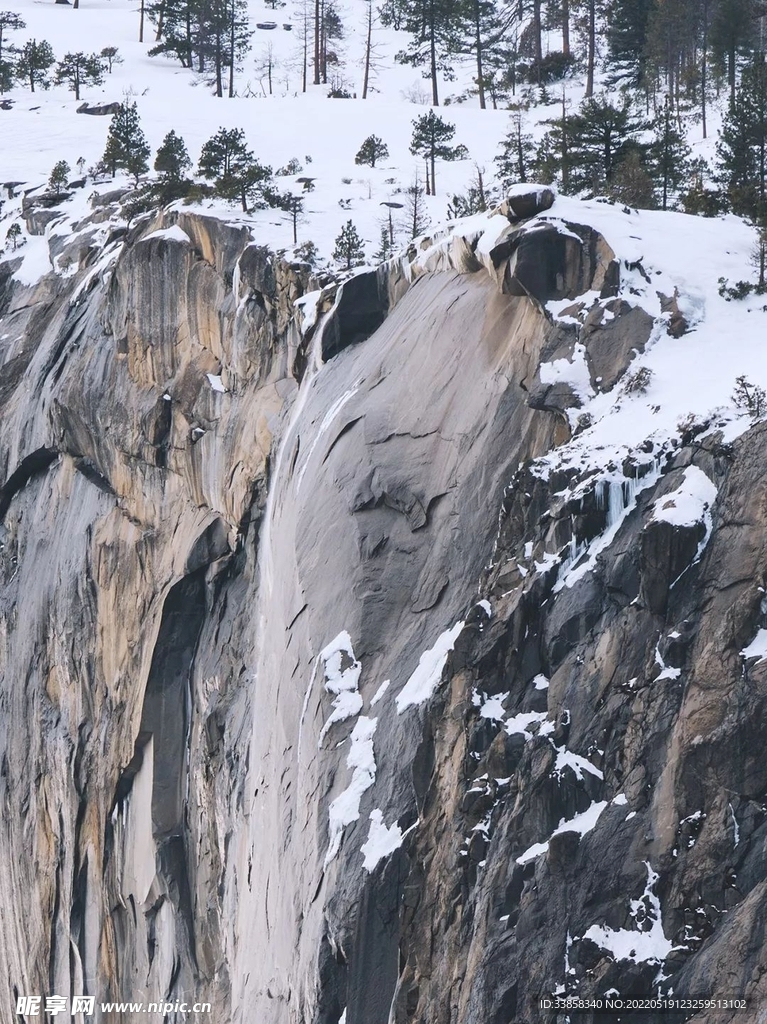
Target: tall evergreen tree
x,y
480,29
79,69
212,36
34,61
733,33
126,149
371,150
417,214
432,25
627,22
237,175
172,162
669,158
9,22
349,250
431,138
57,182
585,148
601,134
516,153
742,149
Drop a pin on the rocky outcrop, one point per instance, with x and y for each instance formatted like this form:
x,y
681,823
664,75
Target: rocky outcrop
x,y
294,721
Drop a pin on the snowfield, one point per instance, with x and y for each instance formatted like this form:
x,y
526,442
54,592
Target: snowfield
x,y
690,379
323,135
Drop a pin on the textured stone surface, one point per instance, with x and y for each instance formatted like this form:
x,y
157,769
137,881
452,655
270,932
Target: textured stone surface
x,y
174,557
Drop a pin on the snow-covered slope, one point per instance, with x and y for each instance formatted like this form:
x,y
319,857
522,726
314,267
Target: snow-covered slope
x,y
285,125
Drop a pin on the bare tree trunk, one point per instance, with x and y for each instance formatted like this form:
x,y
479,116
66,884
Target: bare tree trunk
x,y
323,44
219,62
161,22
537,30
231,50
368,43
316,42
433,59
141,23
566,27
478,43
592,49
305,69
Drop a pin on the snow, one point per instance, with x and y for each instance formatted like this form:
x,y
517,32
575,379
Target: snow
x,y
346,808
342,676
666,671
308,306
380,692
489,707
689,503
36,261
216,383
428,674
757,648
486,607
577,764
382,840
540,682
172,234
574,372
523,723
582,824
649,945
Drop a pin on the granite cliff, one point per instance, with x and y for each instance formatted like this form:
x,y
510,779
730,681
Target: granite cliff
x,y
338,683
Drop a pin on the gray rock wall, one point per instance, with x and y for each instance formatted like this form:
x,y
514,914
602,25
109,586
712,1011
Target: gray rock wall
x,y
221,536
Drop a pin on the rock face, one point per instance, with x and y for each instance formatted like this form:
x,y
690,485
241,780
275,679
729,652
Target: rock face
x,y
302,716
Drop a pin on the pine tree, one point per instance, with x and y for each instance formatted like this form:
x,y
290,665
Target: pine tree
x,y
759,256
294,206
669,157
172,159
237,175
516,152
171,162
112,56
59,177
627,22
79,69
384,250
431,135
9,22
35,58
126,149
417,215
371,150
473,200
349,250
601,134
481,30
212,36
742,149
432,24
732,30
631,183
554,158
14,236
